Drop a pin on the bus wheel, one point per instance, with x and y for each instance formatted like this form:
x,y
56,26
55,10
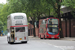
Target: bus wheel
x,y
8,42
24,42
44,37
40,37
11,42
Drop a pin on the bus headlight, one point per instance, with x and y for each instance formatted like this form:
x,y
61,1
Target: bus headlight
x,y
57,35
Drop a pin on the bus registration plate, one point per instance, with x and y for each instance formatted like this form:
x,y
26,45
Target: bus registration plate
x,y
52,37
20,39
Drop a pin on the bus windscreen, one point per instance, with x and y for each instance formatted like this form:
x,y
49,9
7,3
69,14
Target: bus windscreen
x,y
52,21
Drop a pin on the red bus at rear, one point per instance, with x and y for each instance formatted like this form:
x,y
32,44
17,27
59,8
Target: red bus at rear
x,y
49,28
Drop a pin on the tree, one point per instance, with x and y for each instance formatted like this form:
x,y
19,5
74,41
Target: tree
x,y
34,10
1,27
58,13
3,15
15,6
56,4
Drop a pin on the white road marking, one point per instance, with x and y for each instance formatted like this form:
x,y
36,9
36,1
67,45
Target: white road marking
x,y
61,47
49,44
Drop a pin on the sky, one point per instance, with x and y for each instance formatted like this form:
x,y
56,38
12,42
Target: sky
x,y
3,1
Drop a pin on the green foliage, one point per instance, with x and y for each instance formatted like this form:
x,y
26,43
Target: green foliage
x,y
69,3
1,26
33,8
3,14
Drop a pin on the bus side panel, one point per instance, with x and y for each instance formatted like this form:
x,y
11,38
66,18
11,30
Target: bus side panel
x,y
26,33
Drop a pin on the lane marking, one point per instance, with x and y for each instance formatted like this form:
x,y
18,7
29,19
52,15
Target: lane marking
x,y
49,44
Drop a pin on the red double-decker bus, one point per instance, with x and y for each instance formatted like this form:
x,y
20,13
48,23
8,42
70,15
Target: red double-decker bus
x,y
49,28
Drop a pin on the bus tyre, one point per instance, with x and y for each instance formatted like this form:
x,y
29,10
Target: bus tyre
x,y
57,38
24,42
8,42
40,37
8,39
44,37
11,42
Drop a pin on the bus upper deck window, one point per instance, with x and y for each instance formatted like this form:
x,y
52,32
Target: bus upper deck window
x,y
18,17
43,22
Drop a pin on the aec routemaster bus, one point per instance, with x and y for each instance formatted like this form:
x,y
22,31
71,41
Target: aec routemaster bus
x,y
49,28
17,28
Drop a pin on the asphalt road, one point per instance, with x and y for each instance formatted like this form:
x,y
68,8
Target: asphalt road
x,y
37,44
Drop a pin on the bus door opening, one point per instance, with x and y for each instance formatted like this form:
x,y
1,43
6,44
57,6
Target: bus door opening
x,y
12,34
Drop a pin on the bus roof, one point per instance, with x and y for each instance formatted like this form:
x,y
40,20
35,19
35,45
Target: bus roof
x,y
14,14
18,14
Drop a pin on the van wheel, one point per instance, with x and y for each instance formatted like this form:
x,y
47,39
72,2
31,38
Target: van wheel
x,y
40,37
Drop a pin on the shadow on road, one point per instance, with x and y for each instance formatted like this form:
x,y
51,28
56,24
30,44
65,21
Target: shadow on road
x,y
17,43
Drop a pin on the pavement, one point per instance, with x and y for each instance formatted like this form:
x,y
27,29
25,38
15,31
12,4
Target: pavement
x,y
65,38
68,38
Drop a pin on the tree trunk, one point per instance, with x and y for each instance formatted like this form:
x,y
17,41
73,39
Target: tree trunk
x,y
34,26
49,11
60,24
0,33
38,20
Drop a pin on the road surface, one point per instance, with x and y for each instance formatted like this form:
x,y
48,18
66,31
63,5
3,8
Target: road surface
x,y
37,44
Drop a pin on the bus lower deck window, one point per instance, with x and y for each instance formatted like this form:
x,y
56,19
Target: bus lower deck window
x,y
20,29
